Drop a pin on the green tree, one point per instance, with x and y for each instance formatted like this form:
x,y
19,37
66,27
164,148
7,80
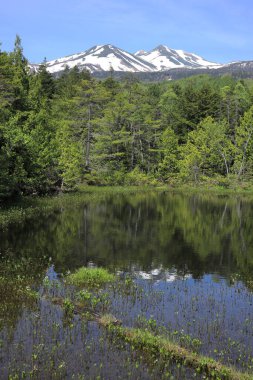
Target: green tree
x,y
168,165
20,77
42,88
208,151
244,145
6,86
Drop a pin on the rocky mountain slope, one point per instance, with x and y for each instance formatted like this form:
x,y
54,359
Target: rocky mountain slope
x,y
165,58
104,58
158,64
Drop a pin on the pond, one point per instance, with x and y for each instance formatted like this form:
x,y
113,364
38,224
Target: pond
x,y
188,258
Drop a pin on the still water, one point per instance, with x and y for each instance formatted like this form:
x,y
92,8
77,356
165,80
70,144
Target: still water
x,y
153,233
191,257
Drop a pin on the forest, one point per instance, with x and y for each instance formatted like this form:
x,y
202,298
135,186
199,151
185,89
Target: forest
x,y
56,133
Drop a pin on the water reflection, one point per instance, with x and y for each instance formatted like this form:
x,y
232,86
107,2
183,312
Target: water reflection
x,y
191,235
189,255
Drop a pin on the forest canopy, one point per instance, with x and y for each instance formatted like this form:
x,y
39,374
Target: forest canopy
x,y
56,133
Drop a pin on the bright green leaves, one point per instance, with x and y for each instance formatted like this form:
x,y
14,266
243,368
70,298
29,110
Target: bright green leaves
x,y
58,133
170,153
208,150
244,145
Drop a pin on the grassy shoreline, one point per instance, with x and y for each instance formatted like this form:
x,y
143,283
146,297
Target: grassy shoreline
x,y
30,207
212,189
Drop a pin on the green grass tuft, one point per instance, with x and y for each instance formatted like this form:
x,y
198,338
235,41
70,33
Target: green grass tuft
x,y
90,277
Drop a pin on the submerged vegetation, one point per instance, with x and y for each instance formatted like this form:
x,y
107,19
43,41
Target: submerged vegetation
x,y
158,348
18,286
179,309
70,314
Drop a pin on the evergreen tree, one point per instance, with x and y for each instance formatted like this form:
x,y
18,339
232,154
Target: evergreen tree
x,y
20,76
6,86
65,131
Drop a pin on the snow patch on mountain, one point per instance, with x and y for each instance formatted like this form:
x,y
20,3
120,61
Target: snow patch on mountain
x,y
102,58
165,58
140,52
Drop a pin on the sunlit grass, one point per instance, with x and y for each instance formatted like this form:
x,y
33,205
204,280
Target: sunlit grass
x,y
159,347
90,277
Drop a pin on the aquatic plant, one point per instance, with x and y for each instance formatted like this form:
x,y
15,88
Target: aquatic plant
x,y
18,286
90,277
159,347
195,325
68,308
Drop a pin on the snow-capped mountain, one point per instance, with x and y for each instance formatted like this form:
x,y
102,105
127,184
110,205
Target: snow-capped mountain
x,y
104,58
165,58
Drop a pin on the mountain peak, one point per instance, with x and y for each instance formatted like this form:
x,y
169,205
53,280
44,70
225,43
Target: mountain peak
x,y
165,58
101,58
162,48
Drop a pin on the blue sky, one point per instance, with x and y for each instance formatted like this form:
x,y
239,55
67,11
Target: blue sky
x,y
218,30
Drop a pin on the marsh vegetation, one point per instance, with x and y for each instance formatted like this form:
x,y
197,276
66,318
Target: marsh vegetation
x,y
124,284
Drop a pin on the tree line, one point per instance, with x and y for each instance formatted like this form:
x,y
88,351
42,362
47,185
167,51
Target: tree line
x,y
57,133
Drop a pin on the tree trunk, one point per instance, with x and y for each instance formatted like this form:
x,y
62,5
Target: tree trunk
x,y
225,161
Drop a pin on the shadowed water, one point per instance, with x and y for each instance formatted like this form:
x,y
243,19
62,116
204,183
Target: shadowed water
x,y
191,257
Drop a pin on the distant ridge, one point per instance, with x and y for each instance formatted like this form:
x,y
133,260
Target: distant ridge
x,y
165,58
158,64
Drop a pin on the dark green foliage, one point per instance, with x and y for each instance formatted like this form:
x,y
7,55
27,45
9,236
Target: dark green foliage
x,y
58,133
20,78
28,151
6,86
